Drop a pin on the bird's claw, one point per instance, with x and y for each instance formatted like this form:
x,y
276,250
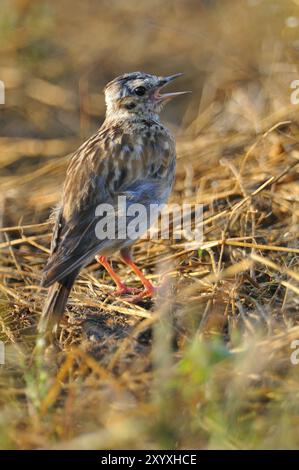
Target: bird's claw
x,y
148,292
121,291
138,294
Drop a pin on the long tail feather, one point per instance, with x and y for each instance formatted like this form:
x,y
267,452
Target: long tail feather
x,y
55,304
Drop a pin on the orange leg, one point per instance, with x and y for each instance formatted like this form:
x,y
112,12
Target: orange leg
x,y
121,287
149,289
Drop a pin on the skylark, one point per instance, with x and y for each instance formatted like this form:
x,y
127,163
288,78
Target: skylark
x,y
132,155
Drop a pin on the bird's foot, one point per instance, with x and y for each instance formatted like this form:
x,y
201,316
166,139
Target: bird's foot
x,y
146,293
149,291
124,290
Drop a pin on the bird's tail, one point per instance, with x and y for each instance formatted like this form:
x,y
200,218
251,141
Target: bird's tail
x,y
55,304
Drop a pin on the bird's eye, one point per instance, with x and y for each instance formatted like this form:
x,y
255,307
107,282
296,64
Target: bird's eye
x,y
140,90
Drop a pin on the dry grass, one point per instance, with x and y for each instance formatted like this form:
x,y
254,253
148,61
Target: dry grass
x,y
208,364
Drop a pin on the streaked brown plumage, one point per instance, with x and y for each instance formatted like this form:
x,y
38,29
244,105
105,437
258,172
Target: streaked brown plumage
x,y
133,155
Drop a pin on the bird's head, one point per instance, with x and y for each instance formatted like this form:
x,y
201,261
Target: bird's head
x,y
138,93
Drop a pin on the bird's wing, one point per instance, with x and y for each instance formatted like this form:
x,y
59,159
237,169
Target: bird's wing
x,y
109,164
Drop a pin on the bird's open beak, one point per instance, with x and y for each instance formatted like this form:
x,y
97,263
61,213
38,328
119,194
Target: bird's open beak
x,y
162,83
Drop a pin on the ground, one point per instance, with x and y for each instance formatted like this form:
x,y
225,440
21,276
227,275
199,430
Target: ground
x,y
211,361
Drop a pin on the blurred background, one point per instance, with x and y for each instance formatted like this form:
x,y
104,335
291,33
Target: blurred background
x,y
209,367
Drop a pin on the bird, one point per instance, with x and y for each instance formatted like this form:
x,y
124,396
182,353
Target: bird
x,y
133,156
